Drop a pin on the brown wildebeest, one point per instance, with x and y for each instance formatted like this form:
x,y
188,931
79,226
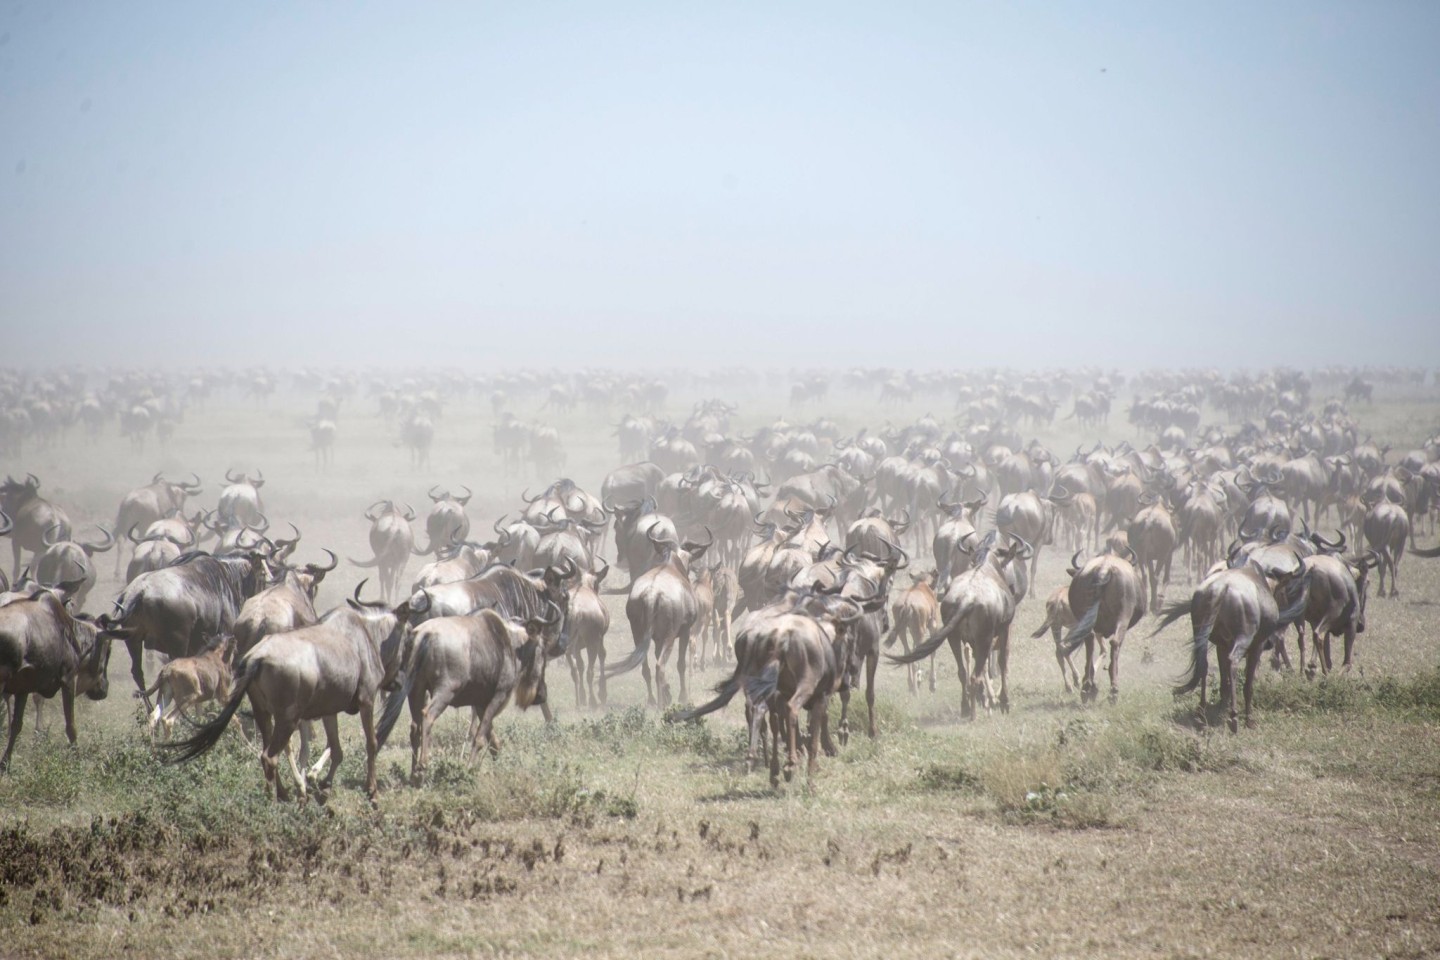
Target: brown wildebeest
x,y
703,580
154,501
315,673
45,651
587,623
1058,618
1108,598
477,661
1235,610
913,615
1151,534
31,516
189,681
1336,605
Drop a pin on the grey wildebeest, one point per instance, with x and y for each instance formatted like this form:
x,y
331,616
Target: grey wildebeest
x,y
44,651
1236,611
1387,527
662,612
477,661
176,611
68,561
789,657
391,541
154,550
1107,598
1335,606
189,681
240,504
156,500
335,666
286,603
976,612
447,521
1151,535
1028,516
31,517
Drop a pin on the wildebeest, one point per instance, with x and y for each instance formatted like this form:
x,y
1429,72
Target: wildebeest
x,y
662,612
391,541
44,651
188,681
1236,610
154,551
447,521
240,504
31,517
1151,535
315,673
176,610
1107,597
588,621
68,561
976,612
1058,618
914,614
1335,606
1387,527
156,500
475,661
286,603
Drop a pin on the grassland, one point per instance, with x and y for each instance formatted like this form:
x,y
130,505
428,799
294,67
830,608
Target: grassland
x,y
1056,829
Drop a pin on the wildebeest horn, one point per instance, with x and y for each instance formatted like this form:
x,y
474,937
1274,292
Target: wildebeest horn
x,y
567,568
524,495
378,503
45,537
1075,561
103,545
434,497
158,475
32,481
334,562
129,534
192,488
547,621
233,479
409,513
1332,546
465,499
259,480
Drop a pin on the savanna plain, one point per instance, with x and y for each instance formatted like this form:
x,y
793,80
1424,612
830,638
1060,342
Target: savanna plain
x,y
1056,829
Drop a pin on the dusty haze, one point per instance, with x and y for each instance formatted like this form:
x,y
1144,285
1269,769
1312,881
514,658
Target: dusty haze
x,y
1225,184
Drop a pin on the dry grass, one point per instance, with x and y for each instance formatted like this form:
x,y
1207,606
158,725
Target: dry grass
x,y
1056,829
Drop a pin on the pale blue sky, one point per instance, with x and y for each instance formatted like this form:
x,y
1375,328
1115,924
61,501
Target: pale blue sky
x,y
912,184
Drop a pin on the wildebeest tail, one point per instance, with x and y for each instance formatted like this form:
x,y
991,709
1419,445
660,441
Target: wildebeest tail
x,y
932,642
724,692
1296,610
1199,655
1172,612
365,563
1083,628
398,697
1041,630
631,662
209,734
761,688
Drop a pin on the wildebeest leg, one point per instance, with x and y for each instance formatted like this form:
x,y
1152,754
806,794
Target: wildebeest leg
x,y
598,656
680,665
872,660
819,720
662,688
1227,685
420,758
17,720
332,743
67,707
487,725
1063,660
1115,644
573,659
1349,648
1252,658
372,746
276,740
776,724
649,688
1089,690
1002,654
844,731
136,648
792,735
15,549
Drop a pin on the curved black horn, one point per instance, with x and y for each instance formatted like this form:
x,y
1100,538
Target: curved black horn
x,y
465,499
433,497
334,562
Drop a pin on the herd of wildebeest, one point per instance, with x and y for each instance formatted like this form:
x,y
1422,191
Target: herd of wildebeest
x,y
793,556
